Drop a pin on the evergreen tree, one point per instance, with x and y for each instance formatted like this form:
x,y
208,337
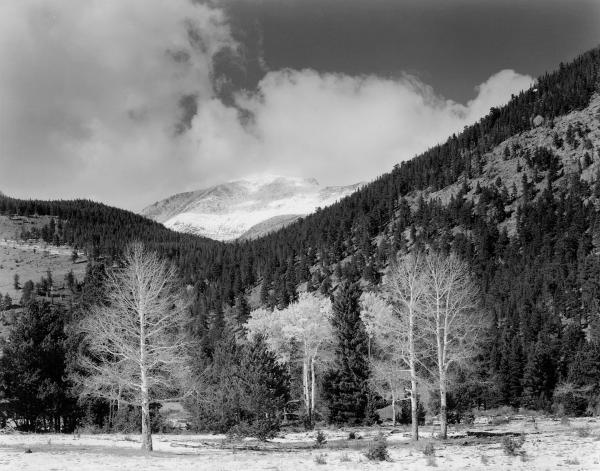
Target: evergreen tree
x,y
243,390
325,287
27,294
346,386
32,371
265,286
7,301
242,309
539,376
512,372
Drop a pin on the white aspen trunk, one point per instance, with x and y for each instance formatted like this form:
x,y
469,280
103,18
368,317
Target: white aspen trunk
x,y
393,409
414,411
443,409
441,372
443,366
119,394
145,399
146,430
305,389
414,426
312,388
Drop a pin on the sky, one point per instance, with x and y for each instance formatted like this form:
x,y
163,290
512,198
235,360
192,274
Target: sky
x,y
129,101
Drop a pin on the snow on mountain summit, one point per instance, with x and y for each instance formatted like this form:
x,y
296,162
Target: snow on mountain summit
x,y
246,208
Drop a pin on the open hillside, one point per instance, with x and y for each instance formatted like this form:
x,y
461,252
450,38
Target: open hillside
x,y
32,259
516,195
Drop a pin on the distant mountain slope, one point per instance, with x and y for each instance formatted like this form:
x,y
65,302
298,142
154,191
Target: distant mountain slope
x,y
250,207
270,225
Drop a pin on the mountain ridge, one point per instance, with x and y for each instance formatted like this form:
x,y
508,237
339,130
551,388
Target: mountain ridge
x,y
244,208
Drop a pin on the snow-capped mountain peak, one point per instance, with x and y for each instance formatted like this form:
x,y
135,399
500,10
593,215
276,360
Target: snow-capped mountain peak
x,y
246,208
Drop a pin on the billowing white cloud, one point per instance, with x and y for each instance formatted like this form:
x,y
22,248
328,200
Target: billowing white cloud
x,y
337,128
91,94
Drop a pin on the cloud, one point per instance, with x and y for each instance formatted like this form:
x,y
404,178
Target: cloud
x,y
337,128
95,93
115,100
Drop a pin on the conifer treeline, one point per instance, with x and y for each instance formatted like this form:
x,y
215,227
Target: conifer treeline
x,y
540,283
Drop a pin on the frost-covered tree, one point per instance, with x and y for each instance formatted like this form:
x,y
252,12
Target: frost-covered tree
x,y
405,288
135,349
388,352
304,323
452,320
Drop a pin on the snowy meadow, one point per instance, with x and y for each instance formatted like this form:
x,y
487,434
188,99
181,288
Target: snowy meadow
x,y
548,444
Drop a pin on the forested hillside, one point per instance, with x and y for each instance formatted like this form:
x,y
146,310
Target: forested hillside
x,y
535,249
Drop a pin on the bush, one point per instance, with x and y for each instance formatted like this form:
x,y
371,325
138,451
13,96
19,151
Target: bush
x,y
404,416
320,439
512,445
128,419
569,400
352,436
378,449
500,420
582,432
320,459
263,429
429,449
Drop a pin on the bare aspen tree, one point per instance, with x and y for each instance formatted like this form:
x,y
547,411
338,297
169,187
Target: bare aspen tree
x,y
389,359
405,287
452,320
305,322
136,349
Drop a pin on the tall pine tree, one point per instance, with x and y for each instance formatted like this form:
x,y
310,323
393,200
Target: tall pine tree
x,y
346,385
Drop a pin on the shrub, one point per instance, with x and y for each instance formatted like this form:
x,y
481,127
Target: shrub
x,y
378,449
320,459
512,445
352,436
262,429
429,449
570,400
582,432
500,420
320,439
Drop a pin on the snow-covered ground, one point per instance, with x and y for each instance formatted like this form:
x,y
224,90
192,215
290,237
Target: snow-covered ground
x,y
549,445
